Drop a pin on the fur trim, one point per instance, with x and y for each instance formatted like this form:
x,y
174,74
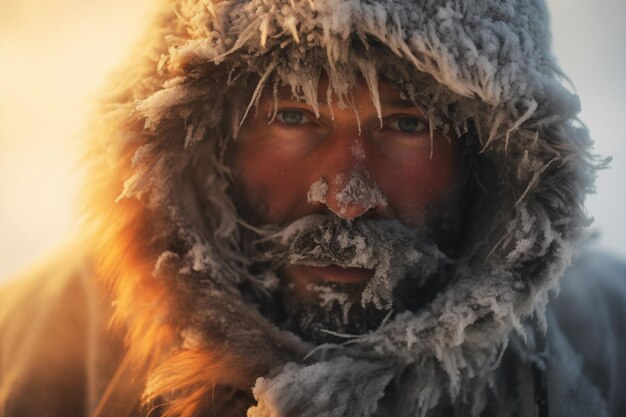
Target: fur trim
x,y
171,249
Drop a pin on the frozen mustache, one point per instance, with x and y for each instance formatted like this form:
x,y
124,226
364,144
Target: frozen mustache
x,y
387,247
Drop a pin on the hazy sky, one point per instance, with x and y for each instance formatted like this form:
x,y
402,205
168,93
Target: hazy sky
x,y
54,56
590,44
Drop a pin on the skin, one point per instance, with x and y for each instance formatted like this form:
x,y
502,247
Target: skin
x,y
275,163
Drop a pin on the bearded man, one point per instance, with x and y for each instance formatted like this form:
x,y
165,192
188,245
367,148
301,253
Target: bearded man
x,y
328,208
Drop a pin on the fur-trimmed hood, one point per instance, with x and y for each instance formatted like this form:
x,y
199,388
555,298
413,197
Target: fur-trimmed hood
x,y
170,239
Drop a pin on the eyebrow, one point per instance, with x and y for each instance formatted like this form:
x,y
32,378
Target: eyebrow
x,y
401,104
395,104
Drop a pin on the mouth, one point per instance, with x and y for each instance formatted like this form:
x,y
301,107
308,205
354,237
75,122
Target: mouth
x,y
334,273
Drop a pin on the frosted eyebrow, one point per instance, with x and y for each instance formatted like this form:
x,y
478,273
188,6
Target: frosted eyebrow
x,y
396,104
399,104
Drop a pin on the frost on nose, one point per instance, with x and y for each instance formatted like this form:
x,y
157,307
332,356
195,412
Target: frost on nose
x,y
317,192
357,191
351,196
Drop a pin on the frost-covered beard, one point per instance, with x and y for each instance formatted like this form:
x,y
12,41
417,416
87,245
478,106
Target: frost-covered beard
x,y
401,260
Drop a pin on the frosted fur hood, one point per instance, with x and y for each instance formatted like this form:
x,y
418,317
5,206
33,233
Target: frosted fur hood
x,y
169,232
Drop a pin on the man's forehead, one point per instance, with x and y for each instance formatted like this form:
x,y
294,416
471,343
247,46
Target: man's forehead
x,y
387,94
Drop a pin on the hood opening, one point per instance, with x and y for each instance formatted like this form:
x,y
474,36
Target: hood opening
x,y
172,245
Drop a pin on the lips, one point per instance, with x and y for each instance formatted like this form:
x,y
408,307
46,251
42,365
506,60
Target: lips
x,y
339,274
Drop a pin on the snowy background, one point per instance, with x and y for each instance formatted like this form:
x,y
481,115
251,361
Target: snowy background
x,y
54,56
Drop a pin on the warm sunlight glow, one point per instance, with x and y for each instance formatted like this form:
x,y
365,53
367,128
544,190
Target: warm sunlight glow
x,y
54,56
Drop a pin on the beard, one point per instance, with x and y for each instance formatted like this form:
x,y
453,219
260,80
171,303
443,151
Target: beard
x,y
406,270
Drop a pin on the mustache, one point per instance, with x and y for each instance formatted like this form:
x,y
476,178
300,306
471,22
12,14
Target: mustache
x,y
386,246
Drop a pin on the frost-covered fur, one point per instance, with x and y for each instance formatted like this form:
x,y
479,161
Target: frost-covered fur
x,y
170,235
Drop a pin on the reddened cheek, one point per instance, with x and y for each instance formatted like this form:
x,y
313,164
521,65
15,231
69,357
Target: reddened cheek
x,y
278,185
414,182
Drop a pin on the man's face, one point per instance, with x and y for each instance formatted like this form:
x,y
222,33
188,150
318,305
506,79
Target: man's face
x,y
347,164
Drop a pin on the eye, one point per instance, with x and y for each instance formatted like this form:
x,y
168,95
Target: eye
x,y
292,117
407,124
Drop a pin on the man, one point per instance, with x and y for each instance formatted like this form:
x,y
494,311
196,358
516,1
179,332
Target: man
x,y
328,208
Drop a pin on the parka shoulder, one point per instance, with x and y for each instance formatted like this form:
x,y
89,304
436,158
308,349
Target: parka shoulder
x,y
590,310
56,353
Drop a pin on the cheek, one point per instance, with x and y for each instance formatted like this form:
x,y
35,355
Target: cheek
x,y
267,184
417,185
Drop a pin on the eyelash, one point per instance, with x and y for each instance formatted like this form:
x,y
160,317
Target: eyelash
x,y
280,117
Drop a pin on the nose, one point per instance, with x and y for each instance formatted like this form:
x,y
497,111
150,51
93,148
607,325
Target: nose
x,y
345,186
351,194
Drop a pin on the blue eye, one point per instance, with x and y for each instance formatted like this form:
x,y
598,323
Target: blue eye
x,y
408,124
291,117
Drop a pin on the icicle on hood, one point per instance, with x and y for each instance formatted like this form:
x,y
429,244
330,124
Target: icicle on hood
x,y
168,229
